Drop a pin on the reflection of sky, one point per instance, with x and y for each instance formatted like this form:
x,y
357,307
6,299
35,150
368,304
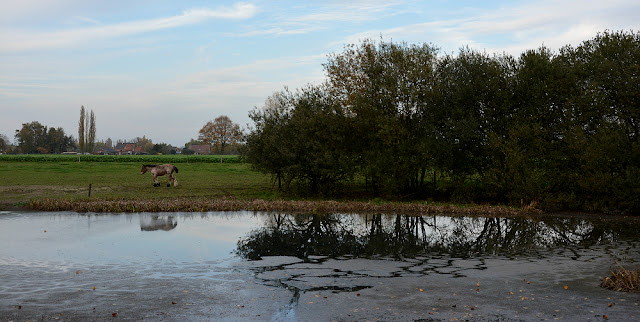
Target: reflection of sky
x,y
117,238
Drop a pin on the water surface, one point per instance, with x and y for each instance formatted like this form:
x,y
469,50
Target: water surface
x,y
258,266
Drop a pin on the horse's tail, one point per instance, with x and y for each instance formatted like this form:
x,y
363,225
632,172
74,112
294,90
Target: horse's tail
x,y
175,169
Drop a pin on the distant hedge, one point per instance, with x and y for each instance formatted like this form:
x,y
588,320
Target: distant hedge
x,y
120,158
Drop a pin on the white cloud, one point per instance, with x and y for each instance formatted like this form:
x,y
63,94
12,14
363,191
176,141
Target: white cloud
x,y
313,18
85,19
18,40
514,29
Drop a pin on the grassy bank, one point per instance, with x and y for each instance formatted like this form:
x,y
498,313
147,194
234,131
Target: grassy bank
x,y
102,184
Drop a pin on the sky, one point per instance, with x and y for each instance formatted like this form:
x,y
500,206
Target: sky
x,y
162,69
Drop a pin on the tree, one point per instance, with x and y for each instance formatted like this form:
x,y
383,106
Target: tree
x,y
86,131
559,129
4,143
302,136
220,132
30,137
91,135
81,131
384,87
36,138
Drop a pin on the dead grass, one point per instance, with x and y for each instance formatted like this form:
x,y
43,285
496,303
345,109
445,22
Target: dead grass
x,y
622,280
232,204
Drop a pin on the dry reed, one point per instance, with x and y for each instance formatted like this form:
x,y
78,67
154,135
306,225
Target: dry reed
x,y
622,280
327,206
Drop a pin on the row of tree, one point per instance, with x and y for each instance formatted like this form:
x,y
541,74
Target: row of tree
x,y
221,133
86,131
559,129
34,137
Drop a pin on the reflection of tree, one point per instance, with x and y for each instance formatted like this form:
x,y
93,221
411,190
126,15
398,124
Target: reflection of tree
x,y
407,236
152,223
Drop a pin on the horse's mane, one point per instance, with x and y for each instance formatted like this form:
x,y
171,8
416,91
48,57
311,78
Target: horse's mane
x,y
150,165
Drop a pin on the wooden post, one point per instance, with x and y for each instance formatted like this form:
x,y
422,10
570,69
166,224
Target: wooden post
x,y
89,190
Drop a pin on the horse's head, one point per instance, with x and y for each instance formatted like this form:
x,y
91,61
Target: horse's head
x,y
144,169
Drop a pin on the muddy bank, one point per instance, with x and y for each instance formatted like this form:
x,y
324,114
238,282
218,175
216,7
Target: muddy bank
x,y
326,206
288,289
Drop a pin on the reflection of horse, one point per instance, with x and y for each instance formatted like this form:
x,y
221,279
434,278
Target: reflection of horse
x,y
161,170
156,223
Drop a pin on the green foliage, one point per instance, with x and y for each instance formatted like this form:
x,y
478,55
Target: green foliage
x,y
37,138
557,129
303,137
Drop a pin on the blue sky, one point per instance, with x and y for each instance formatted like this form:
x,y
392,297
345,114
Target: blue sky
x,y
164,68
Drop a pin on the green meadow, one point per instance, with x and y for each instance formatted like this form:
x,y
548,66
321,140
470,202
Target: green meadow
x,y
119,178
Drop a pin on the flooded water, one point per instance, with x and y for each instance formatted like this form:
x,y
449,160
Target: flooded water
x,y
266,266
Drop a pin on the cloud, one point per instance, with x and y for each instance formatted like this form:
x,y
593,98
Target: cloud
x,y
85,19
17,40
514,29
306,19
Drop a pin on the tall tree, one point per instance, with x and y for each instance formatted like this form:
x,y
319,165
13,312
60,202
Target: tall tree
x,y
86,131
91,135
220,133
383,88
81,130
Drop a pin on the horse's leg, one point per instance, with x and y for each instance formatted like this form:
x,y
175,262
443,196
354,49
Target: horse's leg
x,y
156,183
175,181
170,177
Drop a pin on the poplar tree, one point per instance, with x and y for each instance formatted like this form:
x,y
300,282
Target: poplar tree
x,y
91,135
81,138
86,131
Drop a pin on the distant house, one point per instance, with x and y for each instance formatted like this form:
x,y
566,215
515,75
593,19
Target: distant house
x,y
128,148
106,151
177,150
200,148
139,150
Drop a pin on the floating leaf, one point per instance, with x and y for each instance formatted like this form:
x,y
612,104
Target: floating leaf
x,y
114,314
94,288
566,287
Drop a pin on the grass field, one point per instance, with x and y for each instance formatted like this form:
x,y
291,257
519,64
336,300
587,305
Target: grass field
x,y
25,180
114,184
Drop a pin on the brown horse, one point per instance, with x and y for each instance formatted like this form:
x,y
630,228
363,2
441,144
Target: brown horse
x,y
161,170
